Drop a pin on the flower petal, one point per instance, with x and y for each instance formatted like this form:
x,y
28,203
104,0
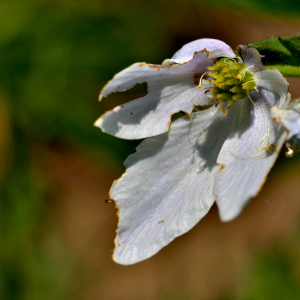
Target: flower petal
x,y
215,48
171,89
274,81
168,185
289,117
248,154
252,58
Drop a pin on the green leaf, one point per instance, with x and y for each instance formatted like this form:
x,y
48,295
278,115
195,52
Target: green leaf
x,y
282,53
273,55
272,42
287,71
290,8
292,44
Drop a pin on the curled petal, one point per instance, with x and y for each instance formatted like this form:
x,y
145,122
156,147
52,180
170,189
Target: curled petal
x,y
252,58
171,89
215,48
248,154
168,185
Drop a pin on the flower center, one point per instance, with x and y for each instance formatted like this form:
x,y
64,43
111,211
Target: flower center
x,y
232,80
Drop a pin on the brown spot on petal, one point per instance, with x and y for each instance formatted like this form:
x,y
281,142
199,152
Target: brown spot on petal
x,y
118,215
158,67
169,124
182,111
161,221
118,212
272,147
189,115
203,133
106,84
222,168
276,119
223,110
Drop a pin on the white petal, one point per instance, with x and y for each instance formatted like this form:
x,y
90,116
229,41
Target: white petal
x,y
215,48
252,58
289,117
170,89
274,81
248,154
168,185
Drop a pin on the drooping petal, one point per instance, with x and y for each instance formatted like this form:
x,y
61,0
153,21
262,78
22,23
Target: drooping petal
x,y
248,154
168,185
252,58
289,117
171,89
215,48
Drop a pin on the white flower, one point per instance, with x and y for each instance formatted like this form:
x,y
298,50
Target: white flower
x,y
182,168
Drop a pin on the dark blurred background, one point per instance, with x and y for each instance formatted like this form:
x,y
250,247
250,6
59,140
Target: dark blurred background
x,y
56,169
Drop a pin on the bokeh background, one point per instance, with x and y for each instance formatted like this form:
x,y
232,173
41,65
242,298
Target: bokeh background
x,y
56,168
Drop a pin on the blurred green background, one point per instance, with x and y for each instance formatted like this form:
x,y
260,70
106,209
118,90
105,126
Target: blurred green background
x,y
56,168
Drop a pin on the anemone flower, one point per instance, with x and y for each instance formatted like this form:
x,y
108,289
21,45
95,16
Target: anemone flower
x,y
221,150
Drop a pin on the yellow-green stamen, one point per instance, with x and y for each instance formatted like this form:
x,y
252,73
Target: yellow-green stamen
x,y
232,81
